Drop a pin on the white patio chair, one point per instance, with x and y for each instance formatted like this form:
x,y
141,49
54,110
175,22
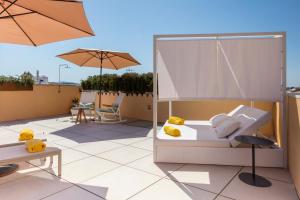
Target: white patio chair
x,y
87,99
111,112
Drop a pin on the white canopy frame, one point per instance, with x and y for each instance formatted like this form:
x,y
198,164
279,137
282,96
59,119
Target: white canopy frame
x,y
281,99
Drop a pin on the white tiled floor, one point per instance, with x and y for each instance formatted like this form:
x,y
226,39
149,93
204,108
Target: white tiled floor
x,y
120,183
208,177
124,155
25,169
280,189
166,189
145,144
73,193
115,161
68,156
35,186
82,170
160,169
97,147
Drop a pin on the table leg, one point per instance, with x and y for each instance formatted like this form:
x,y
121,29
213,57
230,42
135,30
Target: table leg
x,y
80,115
77,118
59,164
84,116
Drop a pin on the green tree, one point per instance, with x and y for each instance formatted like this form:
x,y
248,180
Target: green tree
x,y
130,83
26,79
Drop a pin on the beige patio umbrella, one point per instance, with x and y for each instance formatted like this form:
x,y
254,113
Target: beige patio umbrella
x,y
100,59
37,22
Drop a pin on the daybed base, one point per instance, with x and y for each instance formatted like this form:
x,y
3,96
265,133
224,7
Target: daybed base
x,y
218,156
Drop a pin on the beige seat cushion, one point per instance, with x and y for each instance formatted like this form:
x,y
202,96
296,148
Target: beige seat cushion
x,y
193,133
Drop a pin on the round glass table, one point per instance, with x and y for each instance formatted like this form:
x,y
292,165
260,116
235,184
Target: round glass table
x,y
252,178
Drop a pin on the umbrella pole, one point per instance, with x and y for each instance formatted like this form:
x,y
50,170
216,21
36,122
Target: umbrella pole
x,y
100,86
101,59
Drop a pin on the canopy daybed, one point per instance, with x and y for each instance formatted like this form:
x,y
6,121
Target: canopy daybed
x,y
246,66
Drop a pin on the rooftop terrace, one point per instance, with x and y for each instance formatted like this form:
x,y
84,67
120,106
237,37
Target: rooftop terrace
x,y
115,162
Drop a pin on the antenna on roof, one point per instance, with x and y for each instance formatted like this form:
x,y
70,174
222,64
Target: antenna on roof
x,y
38,76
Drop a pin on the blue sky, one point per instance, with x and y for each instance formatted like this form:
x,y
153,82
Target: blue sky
x,y
129,26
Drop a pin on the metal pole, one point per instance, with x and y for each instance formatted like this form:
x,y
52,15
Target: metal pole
x,y
59,78
283,104
59,69
170,109
154,100
253,162
100,88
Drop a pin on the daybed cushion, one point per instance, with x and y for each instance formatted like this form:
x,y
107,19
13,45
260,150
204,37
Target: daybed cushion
x,y
226,127
193,133
201,134
251,119
215,120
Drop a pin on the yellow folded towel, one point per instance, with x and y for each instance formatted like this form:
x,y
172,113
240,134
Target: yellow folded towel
x,y
35,145
172,131
176,120
26,134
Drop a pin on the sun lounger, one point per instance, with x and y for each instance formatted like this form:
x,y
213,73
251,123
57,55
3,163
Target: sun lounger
x,y
18,153
16,143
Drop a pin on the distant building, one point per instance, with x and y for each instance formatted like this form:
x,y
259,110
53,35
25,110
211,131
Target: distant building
x,y
40,79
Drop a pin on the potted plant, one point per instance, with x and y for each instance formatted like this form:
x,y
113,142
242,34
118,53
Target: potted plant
x,y
75,102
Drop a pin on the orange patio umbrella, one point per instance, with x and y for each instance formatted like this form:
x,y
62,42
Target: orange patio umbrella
x,y
37,22
100,59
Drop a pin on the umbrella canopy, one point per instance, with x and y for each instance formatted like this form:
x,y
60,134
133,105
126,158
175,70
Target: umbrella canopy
x,y
37,22
100,59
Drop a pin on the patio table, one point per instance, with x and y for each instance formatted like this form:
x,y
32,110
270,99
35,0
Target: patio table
x,y
80,113
252,178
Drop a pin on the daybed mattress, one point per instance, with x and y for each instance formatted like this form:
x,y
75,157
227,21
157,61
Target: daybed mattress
x,y
193,133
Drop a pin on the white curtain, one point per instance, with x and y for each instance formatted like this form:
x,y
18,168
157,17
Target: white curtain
x,y
243,68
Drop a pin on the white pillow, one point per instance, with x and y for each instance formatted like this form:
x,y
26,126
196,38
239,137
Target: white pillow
x,y
215,120
226,127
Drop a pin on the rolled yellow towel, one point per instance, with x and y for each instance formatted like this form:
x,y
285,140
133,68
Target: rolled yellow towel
x,y
176,120
172,131
26,134
35,145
